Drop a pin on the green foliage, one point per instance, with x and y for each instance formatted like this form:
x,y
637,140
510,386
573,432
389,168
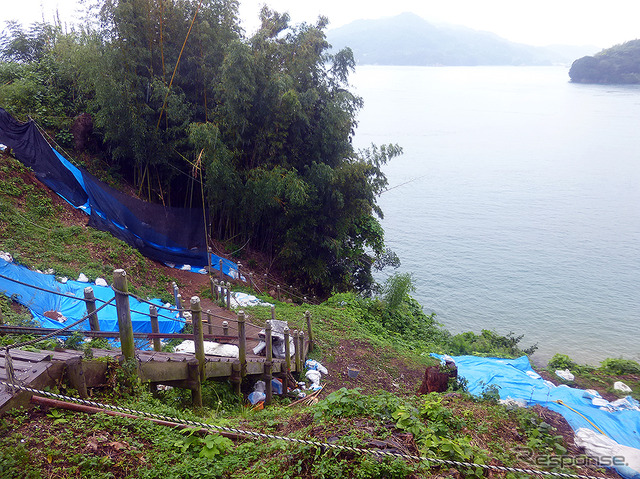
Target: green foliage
x,y
620,366
211,446
351,402
488,343
561,361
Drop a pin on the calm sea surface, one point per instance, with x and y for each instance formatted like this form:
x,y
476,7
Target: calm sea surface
x,y
524,210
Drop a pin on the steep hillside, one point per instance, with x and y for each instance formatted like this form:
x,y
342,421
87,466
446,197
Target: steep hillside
x,y
619,64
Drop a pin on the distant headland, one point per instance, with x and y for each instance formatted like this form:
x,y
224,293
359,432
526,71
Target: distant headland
x,y
618,64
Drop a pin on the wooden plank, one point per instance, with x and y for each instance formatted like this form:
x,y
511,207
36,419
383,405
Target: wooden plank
x,y
27,355
65,355
168,371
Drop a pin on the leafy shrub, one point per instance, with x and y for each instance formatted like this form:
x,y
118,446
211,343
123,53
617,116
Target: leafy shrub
x,y
620,366
488,343
561,361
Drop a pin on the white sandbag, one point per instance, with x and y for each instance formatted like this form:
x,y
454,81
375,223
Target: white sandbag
x,y
620,386
82,278
565,374
101,282
625,459
210,348
6,256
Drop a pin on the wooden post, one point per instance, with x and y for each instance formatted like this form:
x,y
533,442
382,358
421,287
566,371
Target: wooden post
x,y
94,324
228,295
239,273
252,285
198,335
287,361
216,290
1,319
176,296
221,273
193,371
268,372
225,328
75,373
242,344
155,328
179,305
278,290
125,327
296,354
212,286
265,284
303,356
236,378
307,315
209,322
273,312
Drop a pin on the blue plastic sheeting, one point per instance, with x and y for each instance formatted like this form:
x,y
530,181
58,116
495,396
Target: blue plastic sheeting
x,y
515,379
70,306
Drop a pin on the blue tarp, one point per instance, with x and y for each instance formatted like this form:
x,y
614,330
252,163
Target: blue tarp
x,y
517,380
70,306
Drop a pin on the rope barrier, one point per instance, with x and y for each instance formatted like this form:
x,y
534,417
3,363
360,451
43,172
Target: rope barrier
x,y
318,444
66,295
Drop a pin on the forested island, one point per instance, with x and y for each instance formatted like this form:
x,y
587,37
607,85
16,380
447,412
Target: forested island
x,y
618,64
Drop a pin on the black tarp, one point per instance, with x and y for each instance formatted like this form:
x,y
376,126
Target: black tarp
x,y
30,147
166,234
170,235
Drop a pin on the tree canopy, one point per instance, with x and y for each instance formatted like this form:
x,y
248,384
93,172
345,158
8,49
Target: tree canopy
x,y
618,64
179,95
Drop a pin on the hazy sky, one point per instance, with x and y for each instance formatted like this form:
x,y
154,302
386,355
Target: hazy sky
x,y
601,23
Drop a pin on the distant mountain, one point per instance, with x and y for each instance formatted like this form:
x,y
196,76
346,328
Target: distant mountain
x,y
618,64
408,39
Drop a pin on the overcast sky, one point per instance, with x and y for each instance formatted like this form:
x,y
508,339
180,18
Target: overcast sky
x,y
601,23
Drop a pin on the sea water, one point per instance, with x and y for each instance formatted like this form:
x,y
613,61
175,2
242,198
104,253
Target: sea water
x,y
516,203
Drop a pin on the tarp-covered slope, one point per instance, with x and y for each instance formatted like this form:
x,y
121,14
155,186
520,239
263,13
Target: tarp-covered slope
x,y
515,379
70,306
171,235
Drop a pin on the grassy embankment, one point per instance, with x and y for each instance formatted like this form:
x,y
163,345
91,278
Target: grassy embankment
x,y
386,339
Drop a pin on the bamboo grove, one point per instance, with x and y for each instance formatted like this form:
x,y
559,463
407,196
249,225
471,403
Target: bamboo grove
x,y
185,106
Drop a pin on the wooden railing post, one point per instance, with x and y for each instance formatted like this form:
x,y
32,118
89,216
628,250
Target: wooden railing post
x,y
94,324
303,356
209,322
307,315
212,285
179,306
176,297
125,327
155,327
221,273
268,372
216,290
296,354
278,291
198,335
225,328
287,361
242,344
265,283
228,295
273,312
239,273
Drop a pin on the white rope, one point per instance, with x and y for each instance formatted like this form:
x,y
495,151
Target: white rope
x,y
357,450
